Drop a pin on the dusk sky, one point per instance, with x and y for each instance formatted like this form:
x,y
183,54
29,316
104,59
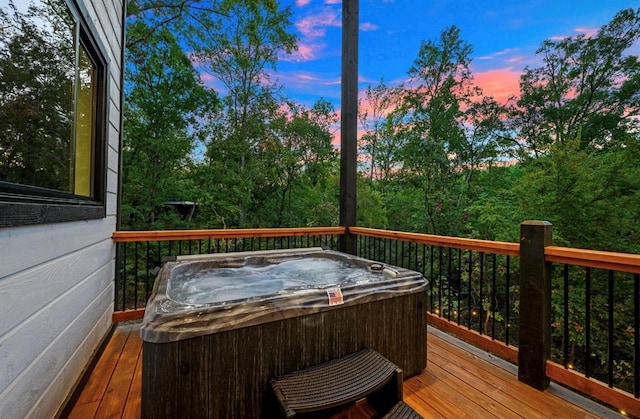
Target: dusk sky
x,y
504,34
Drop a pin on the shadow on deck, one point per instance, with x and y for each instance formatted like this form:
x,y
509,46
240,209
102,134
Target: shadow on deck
x,y
459,381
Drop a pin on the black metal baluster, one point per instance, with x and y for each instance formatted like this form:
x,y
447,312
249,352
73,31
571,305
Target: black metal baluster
x,y
587,320
610,334
508,301
481,314
170,248
492,297
384,250
124,275
636,335
469,289
459,282
402,254
179,247
209,245
190,247
449,284
431,275
440,293
565,333
136,277
146,281
396,254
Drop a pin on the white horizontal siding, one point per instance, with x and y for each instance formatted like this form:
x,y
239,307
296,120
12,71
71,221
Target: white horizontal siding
x,y
57,280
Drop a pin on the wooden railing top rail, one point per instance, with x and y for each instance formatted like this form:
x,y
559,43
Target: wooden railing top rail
x,y
624,262
167,235
500,248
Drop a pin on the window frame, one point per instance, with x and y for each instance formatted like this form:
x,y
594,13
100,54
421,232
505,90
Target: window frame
x,y
32,205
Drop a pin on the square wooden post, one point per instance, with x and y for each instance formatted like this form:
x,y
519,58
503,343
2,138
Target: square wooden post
x,y
534,336
349,123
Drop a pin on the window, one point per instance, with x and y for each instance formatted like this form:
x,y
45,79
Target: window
x,y
52,115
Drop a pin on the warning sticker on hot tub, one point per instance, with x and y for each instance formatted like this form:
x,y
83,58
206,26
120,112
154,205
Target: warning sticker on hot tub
x,y
335,296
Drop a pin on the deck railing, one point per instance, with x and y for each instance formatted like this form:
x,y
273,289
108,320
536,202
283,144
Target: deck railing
x,y
586,302
472,283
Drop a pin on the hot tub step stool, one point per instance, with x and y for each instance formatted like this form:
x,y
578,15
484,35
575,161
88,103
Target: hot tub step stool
x,y
337,383
402,411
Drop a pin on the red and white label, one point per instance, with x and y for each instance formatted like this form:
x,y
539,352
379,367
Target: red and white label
x,y
335,296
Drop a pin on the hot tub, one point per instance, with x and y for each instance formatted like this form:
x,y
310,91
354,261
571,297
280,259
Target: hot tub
x,y
210,345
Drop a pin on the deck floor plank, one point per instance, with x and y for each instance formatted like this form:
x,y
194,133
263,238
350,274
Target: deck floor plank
x,y
457,383
93,392
117,394
499,384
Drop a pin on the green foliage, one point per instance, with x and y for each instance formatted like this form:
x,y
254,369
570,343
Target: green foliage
x,y
164,100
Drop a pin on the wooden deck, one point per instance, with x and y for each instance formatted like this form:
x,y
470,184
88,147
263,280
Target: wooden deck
x,y
459,382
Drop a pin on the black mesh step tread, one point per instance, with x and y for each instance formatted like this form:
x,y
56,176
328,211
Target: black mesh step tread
x,y
402,411
334,383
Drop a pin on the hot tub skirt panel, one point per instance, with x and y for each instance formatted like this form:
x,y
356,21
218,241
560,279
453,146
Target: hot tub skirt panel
x,y
226,374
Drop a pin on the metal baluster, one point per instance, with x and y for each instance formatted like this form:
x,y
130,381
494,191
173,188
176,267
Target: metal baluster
x,y
481,314
565,276
587,320
440,293
610,336
449,267
636,335
508,301
459,274
146,281
493,296
136,277
469,309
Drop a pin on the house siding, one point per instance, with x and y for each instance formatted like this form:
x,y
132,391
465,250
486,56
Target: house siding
x,y
57,280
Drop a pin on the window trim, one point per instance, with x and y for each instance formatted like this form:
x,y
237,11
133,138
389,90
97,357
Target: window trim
x,y
30,205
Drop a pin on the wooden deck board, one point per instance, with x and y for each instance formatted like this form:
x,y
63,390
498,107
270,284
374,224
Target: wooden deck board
x,y
457,383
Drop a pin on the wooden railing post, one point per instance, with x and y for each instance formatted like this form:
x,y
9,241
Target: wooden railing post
x,y
534,329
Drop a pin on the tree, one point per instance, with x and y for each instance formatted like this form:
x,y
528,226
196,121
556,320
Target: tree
x,y
189,19
437,148
165,102
578,116
586,88
239,54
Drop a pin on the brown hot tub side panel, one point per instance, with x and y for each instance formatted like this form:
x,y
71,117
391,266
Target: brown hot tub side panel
x,y
226,374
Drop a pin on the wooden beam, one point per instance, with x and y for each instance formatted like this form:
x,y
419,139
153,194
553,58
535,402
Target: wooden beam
x,y
160,235
499,248
128,315
623,262
349,122
534,325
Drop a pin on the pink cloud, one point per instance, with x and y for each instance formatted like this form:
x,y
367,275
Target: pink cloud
x,y
312,83
368,26
305,52
315,26
516,60
506,51
302,3
499,83
333,2
206,77
586,31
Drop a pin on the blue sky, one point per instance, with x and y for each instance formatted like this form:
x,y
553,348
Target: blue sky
x,y
504,35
